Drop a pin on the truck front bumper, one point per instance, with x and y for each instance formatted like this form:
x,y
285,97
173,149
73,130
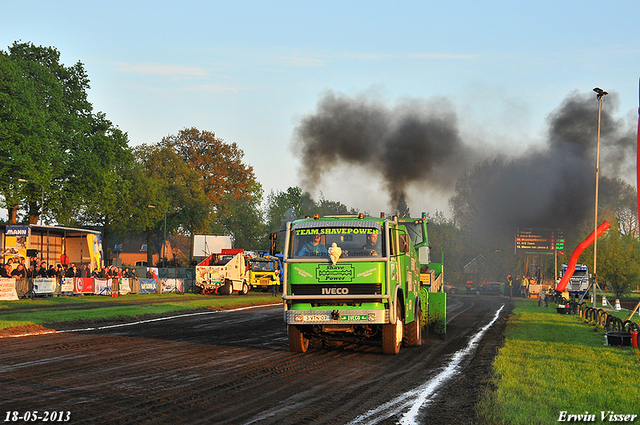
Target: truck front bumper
x,y
337,317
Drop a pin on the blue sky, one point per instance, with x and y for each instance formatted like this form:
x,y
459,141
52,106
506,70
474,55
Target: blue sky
x,y
249,71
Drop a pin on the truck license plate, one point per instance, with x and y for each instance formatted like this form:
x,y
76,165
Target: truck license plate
x,y
314,318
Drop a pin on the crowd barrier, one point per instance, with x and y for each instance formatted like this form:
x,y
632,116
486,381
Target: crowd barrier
x,y
14,289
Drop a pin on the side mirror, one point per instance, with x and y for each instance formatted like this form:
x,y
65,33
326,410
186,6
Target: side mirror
x,y
423,255
404,243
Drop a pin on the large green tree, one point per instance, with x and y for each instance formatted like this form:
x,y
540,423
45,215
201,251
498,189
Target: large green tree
x,y
58,157
229,184
223,174
618,261
283,206
242,219
177,202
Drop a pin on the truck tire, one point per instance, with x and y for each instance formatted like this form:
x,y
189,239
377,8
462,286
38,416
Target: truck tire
x,y
227,289
392,334
413,330
245,289
297,341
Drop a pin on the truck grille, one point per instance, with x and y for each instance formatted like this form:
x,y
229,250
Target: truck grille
x,y
333,289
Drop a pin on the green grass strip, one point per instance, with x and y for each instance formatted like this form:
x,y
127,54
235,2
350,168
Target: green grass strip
x,y
94,308
553,363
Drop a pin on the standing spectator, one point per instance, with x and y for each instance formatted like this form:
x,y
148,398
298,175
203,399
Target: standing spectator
x,y
523,286
83,271
59,271
43,270
510,283
31,272
5,271
103,273
37,272
19,272
71,271
51,271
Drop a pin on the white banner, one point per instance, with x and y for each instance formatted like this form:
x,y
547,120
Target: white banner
x,y
102,286
67,284
45,285
8,289
171,285
125,288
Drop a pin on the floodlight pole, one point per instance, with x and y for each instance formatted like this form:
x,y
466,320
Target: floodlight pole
x,y
600,94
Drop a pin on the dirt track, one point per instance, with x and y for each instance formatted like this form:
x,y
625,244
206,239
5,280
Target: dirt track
x,y
235,367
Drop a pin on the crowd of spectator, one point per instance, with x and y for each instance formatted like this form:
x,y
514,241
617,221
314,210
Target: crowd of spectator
x,y
39,269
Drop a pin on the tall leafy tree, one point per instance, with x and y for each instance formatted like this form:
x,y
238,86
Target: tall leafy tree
x,y
618,261
223,174
242,219
50,136
282,206
177,193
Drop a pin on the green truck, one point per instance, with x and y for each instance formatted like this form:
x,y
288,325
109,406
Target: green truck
x,y
358,279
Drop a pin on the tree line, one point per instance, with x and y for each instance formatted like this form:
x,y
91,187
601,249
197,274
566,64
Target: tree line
x,y
63,163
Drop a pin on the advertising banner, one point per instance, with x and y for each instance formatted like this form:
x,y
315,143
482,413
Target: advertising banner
x,y
124,287
8,289
45,285
83,285
16,240
102,286
171,285
148,286
66,285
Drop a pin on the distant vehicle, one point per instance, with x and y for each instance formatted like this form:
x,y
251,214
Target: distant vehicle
x,y
265,272
223,274
489,288
450,289
579,283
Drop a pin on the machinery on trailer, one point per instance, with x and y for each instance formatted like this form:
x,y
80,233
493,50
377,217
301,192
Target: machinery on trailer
x,y
360,279
223,273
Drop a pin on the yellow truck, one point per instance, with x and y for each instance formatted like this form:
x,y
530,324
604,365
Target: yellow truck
x,y
264,272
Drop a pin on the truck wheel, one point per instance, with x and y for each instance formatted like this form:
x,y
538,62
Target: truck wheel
x,y
245,289
392,334
413,330
227,289
297,341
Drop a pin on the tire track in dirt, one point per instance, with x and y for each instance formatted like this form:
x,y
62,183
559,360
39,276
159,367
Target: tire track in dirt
x,y
230,367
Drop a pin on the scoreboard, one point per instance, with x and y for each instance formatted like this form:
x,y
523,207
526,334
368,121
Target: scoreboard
x,y
539,241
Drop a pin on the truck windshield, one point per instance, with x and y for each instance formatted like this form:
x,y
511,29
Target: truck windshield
x,y
263,266
352,241
414,228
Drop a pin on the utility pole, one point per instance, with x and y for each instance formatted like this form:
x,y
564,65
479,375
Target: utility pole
x,y
600,94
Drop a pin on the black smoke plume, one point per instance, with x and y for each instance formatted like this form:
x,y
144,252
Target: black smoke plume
x,y
419,143
550,186
414,142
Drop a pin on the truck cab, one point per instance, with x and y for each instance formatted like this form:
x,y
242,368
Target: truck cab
x,y
356,278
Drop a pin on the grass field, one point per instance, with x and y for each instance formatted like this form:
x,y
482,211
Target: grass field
x,y
553,363
87,308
